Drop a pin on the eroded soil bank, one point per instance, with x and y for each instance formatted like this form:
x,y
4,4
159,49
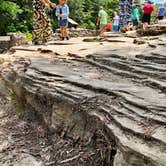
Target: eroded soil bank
x,y
26,141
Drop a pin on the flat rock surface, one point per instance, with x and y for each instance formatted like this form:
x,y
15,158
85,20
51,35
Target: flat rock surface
x,y
4,38
122,84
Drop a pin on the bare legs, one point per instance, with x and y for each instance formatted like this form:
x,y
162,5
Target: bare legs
x,y
64,33
134,28
102,30
145,24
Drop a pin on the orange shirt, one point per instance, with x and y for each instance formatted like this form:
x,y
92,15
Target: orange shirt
x,y
108,26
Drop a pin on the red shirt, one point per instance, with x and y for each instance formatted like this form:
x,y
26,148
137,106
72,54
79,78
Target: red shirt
x,y
108,26
148,9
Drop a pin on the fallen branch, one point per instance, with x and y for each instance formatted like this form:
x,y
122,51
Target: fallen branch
x,y
70,159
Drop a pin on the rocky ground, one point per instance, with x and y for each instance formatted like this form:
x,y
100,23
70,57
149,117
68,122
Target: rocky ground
x,y
25,141
101,96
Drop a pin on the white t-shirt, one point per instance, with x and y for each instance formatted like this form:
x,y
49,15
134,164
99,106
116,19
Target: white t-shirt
x,y
116,20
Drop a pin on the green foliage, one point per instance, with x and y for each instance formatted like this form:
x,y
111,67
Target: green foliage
x,y
18,15
8,13
85,12
29,36
1,60
10,7
154,14
15,16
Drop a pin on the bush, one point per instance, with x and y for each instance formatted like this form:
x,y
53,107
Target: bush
x,y
1,60
29,36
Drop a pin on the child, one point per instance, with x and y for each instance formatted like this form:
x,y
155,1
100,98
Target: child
x,y
135,16
62,12
116,22
108,27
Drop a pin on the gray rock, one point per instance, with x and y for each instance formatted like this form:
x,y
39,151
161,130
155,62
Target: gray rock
x,y
12,39
4,43
17,39
122,97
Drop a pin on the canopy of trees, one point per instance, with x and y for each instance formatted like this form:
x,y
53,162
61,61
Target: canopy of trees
x,y
15,16
18,15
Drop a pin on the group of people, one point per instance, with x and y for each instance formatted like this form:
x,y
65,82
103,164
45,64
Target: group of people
x,y
129,14
148,9
42,24
105,24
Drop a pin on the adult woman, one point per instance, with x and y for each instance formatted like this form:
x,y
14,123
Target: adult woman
x,y
125,10
42,25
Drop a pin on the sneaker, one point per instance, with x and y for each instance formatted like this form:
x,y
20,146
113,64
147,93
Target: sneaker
x,y
67,38
62,38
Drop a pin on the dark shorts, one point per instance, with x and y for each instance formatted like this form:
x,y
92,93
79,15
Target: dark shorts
x,y
146,18
160,17
63,23
135,22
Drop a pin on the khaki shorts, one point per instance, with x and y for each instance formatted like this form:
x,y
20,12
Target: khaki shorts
x,y
102,26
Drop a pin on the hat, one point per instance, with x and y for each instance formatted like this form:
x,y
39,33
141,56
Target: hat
x,y
137,4
101,7
149,1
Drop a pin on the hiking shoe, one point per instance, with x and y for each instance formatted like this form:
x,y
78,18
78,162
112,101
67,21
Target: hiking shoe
x,y
67,38
62,38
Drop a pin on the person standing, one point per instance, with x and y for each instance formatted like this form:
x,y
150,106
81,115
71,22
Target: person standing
x,y
62,12
135,16
108,27
116,22
102,19
161,12
42,26
125,10
147,11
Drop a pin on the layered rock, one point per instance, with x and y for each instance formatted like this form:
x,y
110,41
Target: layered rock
x,y
78,32
4,43
12,39
153,30
17,39
108,92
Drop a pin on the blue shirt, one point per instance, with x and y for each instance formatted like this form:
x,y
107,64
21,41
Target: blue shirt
x,y
64,10
161,11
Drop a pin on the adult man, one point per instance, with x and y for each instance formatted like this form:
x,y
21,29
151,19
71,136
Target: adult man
x,y
147,11
42,26
102,18
161,12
